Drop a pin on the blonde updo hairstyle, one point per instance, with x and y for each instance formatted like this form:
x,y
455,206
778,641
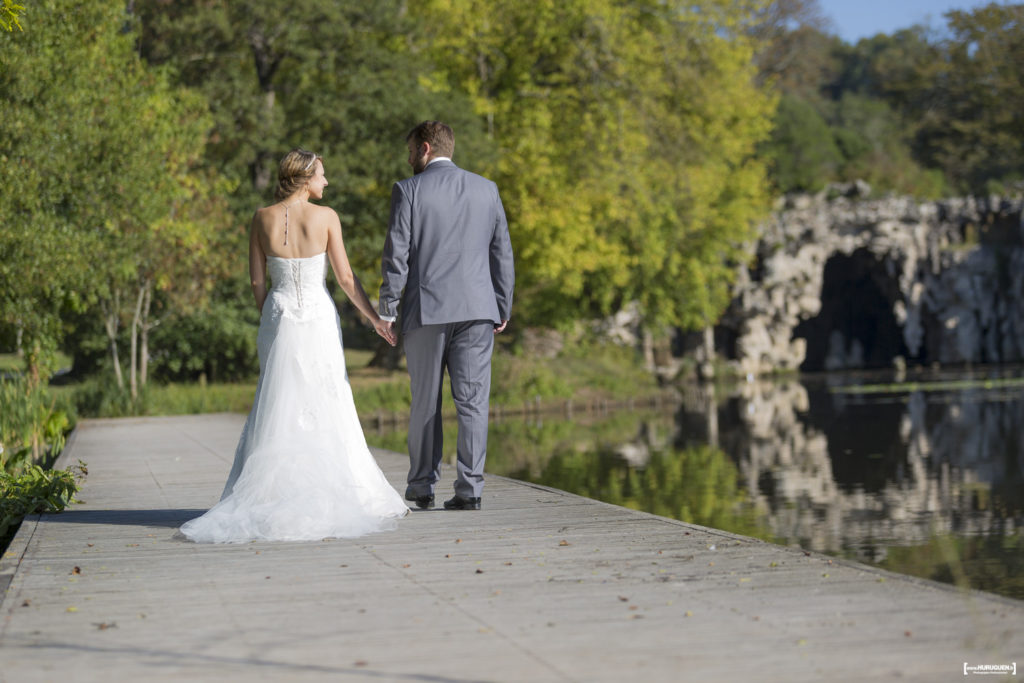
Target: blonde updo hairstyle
x,y
297,168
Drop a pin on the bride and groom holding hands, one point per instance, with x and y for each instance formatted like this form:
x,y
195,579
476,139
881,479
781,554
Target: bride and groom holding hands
x,y
302,469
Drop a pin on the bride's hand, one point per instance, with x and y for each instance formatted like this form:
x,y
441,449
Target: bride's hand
x,y
386,330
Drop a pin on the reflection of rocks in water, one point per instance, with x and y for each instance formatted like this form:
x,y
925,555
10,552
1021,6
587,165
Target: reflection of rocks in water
x,y
831,471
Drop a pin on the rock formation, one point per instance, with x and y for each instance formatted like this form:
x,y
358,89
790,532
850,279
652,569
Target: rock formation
x,y
841,282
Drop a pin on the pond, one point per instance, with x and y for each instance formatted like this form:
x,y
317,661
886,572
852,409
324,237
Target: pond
x,y
923,477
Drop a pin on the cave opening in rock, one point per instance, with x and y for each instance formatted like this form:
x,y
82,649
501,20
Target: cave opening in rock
x,y
856,327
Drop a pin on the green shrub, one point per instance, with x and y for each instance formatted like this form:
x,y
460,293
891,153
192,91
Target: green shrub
x,y
32,491
33,424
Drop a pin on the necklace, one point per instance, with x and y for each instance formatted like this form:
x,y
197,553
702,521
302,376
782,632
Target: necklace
x,y
286,220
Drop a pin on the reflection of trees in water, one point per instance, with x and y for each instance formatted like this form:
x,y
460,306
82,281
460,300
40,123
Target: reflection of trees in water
x,y
698,485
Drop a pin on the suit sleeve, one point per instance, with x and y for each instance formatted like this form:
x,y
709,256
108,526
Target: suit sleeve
x,y
502,270
395,261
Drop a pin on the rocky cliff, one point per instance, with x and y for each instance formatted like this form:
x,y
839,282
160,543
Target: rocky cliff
x,y
841,281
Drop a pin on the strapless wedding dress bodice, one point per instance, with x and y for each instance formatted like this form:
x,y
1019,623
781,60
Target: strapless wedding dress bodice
x,y
302,469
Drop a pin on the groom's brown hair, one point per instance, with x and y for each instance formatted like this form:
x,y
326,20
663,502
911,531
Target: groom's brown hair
x,y
439,135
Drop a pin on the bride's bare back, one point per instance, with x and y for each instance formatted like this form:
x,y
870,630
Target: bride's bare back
x,y
299,230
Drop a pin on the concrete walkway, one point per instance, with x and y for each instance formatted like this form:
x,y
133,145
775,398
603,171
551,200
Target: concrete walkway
x,y
541,585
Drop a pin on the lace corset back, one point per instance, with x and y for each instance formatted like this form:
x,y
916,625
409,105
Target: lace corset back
x,y
298,283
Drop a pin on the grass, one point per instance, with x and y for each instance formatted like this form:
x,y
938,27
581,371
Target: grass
x,y
586,374
13,363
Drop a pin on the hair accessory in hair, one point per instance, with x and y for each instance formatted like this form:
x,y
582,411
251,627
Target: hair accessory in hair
x,y
310,164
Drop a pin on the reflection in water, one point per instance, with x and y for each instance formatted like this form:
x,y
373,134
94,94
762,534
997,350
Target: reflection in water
x,y
923,482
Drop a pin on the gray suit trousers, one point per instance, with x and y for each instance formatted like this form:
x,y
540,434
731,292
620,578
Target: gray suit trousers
x,y
464,349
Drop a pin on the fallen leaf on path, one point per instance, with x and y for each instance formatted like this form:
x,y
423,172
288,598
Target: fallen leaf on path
x,y
360,662
406,566
563,543
104,626
72,609
27,603
623,598
76,570
458,540
479,571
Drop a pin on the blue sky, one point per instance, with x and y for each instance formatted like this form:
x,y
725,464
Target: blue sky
x,y
856,19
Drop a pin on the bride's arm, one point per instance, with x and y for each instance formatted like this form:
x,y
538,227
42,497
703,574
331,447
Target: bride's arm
x,y
348,280
257,265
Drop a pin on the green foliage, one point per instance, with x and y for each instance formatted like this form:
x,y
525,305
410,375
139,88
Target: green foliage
x,y
9,15
32,491
33,424
627,133
803,148
97,158
342,78
914,112
218,343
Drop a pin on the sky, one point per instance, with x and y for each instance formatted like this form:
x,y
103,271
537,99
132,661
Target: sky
x,y
856,19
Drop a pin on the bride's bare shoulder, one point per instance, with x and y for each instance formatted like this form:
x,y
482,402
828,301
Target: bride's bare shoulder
x,y
325,213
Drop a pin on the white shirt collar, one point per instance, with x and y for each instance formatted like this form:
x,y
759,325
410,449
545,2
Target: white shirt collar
x,y
438,159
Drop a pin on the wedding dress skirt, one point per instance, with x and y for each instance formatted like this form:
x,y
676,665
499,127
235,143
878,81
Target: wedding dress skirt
x,y
302,469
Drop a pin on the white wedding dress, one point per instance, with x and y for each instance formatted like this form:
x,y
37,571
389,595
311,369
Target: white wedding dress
x,y
302,469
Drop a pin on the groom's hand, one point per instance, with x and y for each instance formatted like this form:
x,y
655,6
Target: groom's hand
x,y
500,328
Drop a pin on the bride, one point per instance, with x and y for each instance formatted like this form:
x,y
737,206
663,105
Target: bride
x,y
302,469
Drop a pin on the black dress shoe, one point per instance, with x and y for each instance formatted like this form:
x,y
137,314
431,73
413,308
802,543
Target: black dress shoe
x,y
424,502
460,503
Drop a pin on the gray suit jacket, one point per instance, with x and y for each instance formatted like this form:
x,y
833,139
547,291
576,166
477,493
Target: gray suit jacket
x,y
448,257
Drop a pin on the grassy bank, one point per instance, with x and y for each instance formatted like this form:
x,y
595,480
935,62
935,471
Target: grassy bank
x,y
585,375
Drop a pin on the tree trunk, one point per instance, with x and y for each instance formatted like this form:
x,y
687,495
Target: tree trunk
x,y
111,321
133,366
144,341
386,356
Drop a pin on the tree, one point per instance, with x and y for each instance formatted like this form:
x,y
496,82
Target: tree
x,y
338,78
976,138
98,160
626,133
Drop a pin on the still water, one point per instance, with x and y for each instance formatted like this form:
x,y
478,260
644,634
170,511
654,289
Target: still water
x,y
925,477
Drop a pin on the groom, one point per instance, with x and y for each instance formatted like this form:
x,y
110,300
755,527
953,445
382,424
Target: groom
x,y
448,260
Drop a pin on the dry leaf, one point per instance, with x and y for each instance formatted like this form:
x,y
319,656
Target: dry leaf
x,y
76,570
360,662
104,626
458,540
72,609
623,598
406,566
479,571
27,603
563,543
